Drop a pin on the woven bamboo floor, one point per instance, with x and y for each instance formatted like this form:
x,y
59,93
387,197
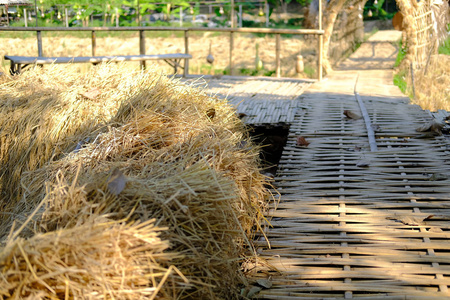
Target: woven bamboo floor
x,y
351,223
261,100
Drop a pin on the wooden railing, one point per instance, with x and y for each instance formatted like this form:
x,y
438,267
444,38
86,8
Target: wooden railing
x,y
231,31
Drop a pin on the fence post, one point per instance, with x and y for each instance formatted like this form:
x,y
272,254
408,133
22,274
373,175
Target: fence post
x,y
142,46
94,42
186,51
277,55
25,16
39,42
67,16
231,52
320,46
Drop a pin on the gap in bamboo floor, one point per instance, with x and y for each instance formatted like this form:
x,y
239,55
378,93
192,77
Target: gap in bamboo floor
x,y
271,138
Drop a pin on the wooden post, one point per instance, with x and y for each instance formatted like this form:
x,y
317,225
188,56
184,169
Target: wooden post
x,y
39,41
142,46
267,13
277,55
25,17
186,50
231,52
320,45
94,42
67,16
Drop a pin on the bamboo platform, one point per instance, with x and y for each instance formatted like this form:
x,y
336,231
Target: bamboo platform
x,y
351,223
262,100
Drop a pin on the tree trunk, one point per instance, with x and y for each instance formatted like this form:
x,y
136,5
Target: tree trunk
x,y
329,17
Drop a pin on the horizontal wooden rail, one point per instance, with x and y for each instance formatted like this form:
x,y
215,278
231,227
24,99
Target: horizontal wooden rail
x,y
138,28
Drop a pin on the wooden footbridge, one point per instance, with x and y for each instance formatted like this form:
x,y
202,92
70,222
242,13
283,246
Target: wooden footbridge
x,y
351,222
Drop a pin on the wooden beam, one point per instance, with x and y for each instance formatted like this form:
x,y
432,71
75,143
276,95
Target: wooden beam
x,y
39,42
277,55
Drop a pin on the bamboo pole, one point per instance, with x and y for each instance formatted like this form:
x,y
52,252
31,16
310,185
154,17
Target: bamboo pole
x,y
94,42
277,55
25,17
142,46
370,132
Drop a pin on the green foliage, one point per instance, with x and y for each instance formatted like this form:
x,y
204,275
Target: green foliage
x,y
310,71
445,47
399,80
401,54
378,13
255,72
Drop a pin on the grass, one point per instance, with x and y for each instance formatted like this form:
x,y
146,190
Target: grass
x,y
445,47
401,54
399,80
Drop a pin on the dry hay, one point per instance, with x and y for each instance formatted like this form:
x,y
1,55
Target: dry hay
x,y
159,154
432,88
43,113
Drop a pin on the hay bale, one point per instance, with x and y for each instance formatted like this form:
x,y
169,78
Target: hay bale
x,y
163,156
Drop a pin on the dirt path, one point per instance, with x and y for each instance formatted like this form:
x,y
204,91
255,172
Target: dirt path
x,y
356,223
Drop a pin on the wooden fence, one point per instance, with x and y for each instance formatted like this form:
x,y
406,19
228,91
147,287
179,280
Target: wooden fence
x,y
231,31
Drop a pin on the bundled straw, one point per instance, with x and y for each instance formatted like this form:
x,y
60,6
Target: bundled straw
x,y
44,112
99,259
170,153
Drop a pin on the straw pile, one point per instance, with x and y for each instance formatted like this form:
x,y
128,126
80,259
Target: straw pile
x,y
150,189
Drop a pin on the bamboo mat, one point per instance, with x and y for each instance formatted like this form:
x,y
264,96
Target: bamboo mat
x,y
261,100
351,223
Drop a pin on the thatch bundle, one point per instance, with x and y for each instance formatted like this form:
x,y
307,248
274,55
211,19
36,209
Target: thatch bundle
x,y
424,27
158,150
